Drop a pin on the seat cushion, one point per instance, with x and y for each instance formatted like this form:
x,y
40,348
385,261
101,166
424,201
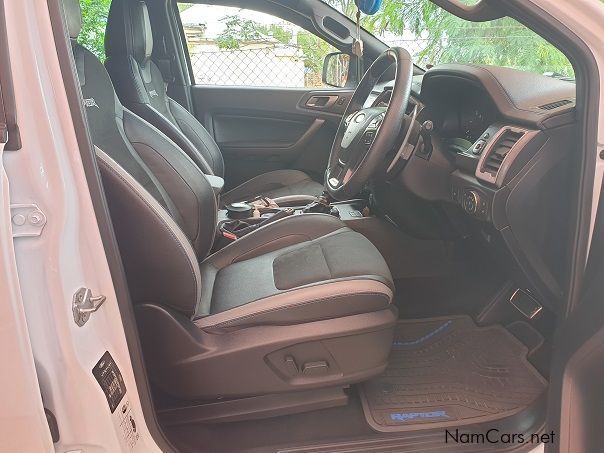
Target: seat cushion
x,y
329,273
274,184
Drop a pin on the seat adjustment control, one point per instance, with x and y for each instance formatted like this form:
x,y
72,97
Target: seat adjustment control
x,y
290,365
319,368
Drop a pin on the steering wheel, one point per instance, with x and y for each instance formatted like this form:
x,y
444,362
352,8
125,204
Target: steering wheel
x,y
366,135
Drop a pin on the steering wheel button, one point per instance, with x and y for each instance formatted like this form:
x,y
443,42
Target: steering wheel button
x,y
357,133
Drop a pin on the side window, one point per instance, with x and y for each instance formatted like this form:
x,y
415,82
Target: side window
x,y
94,21
240,47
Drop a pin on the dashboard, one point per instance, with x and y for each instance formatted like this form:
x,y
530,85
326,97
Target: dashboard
x,y
458,109
501,142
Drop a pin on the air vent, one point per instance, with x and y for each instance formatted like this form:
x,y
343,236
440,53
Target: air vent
x,y
500,149
555,105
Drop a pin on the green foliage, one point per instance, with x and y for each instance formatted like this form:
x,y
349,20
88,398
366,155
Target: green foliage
x,y
94,21
445,38
313,50
279,33
237,29
240,30
501,42
184,6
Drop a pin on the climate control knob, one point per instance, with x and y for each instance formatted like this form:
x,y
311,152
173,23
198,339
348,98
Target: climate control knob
x,y
471,201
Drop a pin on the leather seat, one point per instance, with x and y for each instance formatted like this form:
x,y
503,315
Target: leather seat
x,y
141,88
248,319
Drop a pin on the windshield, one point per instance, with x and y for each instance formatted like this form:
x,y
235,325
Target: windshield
x,y
433,36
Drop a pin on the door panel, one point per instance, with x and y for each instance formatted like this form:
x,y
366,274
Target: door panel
x,y
245,132
260,129
576,395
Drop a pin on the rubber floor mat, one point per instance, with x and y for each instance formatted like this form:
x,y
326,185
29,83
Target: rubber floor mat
x,y
447,372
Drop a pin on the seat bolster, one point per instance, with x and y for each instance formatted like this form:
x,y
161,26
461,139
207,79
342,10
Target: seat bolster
x,y
193,134
274,236
159,119
160,264
185,184
328,300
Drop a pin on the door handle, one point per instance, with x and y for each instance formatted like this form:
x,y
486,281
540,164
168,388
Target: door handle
x,y
321,101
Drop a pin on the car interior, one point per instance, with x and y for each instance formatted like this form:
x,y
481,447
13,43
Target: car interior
x,y
350,267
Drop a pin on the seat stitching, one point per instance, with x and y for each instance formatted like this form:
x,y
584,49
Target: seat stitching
x,y
163,223
308,238
325,259
186,184
184,120
301,304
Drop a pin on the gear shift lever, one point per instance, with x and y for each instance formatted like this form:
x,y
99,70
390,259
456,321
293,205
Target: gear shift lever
x,y
320,205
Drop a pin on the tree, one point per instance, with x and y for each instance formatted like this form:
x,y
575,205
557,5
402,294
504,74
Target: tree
x,y
445,38
184,6
240,30
94,21
313,50
501,42
441,36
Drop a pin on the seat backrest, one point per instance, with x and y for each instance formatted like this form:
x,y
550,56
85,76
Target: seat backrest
x,y
162,206
140,86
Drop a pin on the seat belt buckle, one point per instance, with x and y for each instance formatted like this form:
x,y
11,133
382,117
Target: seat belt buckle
x,y
229,235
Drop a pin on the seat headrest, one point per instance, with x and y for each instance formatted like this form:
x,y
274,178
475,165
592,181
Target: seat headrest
x,y
73,14
129,31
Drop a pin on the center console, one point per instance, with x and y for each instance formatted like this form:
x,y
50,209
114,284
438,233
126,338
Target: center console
x,y
238,219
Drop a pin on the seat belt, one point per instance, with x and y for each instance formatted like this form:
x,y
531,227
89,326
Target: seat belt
x,y
166,62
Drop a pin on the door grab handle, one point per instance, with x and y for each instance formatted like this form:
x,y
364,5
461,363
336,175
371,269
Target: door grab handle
x,y
321,101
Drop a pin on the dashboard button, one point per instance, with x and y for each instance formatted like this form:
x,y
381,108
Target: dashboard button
x,y
478,147
471,201
455,193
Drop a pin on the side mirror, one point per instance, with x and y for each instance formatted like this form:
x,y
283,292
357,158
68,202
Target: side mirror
x,y
336,68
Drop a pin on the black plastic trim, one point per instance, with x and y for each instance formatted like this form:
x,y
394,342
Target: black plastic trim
x,y
587,112
482,11
426,440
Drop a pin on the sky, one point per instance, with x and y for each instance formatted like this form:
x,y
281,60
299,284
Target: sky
x,y
210,15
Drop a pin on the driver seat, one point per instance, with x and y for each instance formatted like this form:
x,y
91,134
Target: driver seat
x,y
302,303
141,88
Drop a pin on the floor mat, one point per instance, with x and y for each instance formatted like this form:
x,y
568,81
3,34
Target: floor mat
x,y
448,372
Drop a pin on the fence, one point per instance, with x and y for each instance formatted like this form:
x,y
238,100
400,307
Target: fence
x,y
279,66
283,65
270,65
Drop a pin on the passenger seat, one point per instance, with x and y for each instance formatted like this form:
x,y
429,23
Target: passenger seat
x,y
141,88
302,303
